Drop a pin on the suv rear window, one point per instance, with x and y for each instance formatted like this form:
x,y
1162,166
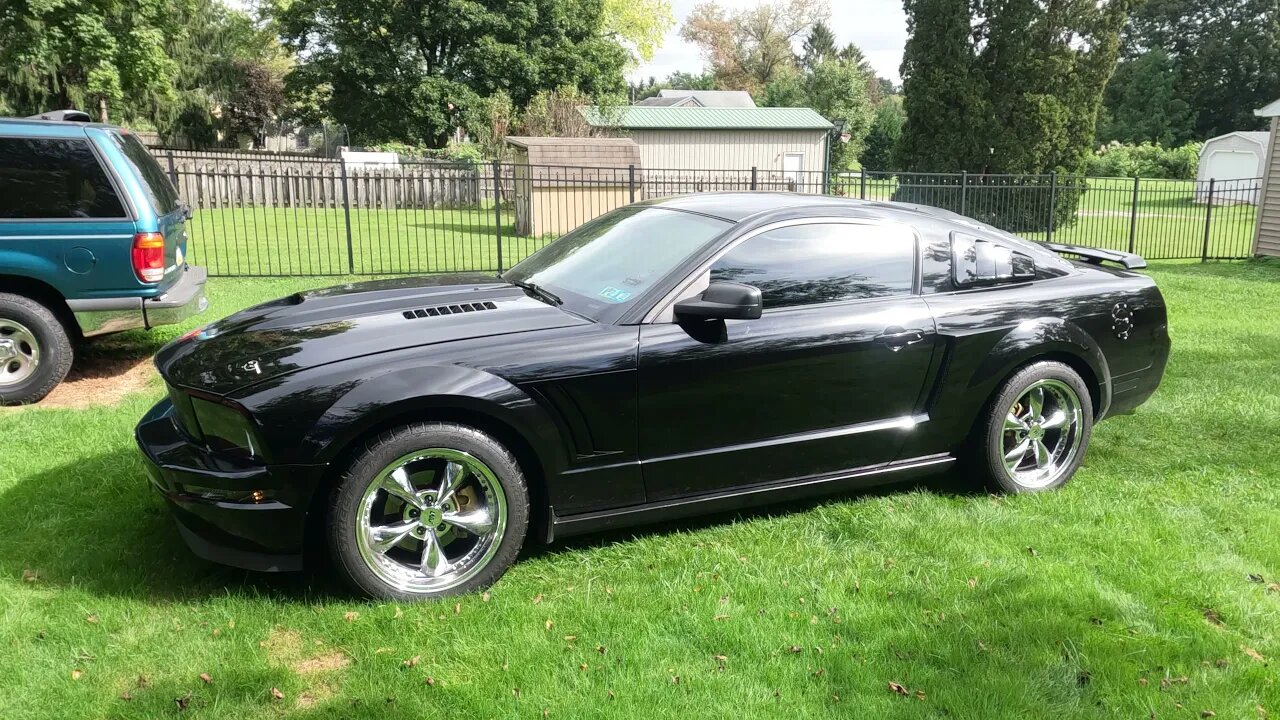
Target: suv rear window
x,y
164,198
54,178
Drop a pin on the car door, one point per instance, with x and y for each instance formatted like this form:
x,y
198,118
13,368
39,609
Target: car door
x,y
828,379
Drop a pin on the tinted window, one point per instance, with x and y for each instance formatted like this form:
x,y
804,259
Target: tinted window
x,y
54,178
602,268
808,264
164,198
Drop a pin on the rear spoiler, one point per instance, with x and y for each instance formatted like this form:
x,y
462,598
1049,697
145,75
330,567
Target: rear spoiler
x,y
1097,256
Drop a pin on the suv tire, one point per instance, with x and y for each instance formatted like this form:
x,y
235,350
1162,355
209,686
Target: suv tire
x,y
35,351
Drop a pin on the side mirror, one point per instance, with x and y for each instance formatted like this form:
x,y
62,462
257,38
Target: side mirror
x,y
722,301
978,262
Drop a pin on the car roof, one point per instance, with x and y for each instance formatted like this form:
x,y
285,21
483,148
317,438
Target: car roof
x,y
70,128
737,207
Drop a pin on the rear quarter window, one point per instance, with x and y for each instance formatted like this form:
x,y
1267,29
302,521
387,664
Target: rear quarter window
x,y
164,198
54,178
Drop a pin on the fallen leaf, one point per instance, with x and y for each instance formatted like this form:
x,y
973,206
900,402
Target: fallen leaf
x,y
835,698
898,688
570,638
819,672
1256,578
412,661
1032,551
143,682
431,681
1212,616
546,712
973,582
1142,682
231,624
217,632
457,608
276,694
675,679
721,617
796,649
600,649
182,702
126,696
206,678
91,619
549,623
350,616
75,674
612,696
399,613
1252,653
582,667
1208,714
720,658
29,576
537,599
1273,587
1262,712
484,596
920,695
515,691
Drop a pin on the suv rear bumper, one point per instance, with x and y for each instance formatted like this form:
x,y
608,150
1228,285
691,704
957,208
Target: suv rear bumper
x,y
108,315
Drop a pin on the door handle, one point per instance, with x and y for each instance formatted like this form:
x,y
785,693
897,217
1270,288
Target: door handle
x,y
896,338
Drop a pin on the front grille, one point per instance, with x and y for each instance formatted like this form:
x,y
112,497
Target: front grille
x,y
448,310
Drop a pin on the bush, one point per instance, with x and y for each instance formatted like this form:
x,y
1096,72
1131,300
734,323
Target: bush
x,y
1016,203
1145,160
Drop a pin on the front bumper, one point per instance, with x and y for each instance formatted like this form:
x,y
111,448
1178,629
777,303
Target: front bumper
x,y
210,496
180,301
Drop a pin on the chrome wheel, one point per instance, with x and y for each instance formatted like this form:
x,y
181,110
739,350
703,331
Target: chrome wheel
x,y
431,520
19,352
1042,432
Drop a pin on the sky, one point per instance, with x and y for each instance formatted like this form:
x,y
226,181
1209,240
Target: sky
x,y
879,27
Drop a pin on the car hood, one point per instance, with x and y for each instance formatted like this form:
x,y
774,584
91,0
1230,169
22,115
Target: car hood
x,y
314,328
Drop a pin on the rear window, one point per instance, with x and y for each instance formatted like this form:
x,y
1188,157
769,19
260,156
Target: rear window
x,y
164,198
54,178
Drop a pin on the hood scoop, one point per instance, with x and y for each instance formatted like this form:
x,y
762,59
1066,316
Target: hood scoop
x,y
456,309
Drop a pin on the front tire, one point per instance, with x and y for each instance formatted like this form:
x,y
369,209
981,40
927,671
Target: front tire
x,y
35,352
1035,433
428,510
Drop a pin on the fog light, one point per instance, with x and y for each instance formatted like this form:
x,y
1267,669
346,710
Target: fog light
x,y
257,496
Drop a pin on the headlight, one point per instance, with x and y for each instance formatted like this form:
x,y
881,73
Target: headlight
x,y
225,428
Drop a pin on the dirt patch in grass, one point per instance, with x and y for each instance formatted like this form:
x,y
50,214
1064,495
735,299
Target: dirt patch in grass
x,y
322,663
100,381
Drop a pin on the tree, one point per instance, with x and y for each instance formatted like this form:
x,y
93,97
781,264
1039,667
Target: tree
x,y
406,71
641,24
1224,59
256,101
819,46
1142,104
1006,87
104,56
837,90
748,49
882,139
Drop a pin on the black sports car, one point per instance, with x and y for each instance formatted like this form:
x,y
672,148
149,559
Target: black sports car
x,y
669,358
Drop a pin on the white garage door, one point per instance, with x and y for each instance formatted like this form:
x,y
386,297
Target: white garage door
x,y
1232,165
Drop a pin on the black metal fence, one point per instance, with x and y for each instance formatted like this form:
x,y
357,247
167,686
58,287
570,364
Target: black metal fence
x,y
294,215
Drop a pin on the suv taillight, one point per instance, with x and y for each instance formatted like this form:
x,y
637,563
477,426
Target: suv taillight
x,y
148,257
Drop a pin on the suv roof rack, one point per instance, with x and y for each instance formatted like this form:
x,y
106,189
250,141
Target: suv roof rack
x,y
63,115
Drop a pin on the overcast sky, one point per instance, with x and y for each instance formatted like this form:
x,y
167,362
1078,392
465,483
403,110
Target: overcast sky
x,y
879,27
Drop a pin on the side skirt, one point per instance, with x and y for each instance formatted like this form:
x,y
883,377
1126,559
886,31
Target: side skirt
x,y
747,497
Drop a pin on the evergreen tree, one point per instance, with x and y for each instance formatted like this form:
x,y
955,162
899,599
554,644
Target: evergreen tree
x,y
886,130
1142,104
819,46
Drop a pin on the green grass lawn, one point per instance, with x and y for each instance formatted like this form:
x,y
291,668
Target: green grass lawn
x,y
313,241
1142,589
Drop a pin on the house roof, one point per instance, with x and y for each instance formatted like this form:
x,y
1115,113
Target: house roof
x,y
640,117
568,159
713,98
1259,138
687,101
528,142
1272,110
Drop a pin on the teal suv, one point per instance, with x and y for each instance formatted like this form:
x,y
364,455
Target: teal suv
x,y
92,241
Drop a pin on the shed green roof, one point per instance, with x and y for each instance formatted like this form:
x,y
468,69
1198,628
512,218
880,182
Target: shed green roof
x,y
638,117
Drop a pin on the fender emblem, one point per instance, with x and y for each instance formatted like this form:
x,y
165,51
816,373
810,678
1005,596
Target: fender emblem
x,y
1122,320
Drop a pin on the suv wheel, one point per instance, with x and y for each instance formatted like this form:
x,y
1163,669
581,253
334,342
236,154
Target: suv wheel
x,y
428,510
1037,429
35,352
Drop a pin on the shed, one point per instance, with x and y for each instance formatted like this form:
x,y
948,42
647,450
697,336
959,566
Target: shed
x,y
717,147
561,183
1232,157
1267,238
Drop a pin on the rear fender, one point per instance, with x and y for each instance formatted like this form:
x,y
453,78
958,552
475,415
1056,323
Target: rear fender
x,y
1042,337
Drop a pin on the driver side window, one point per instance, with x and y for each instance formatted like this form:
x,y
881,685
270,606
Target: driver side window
x,y
822,263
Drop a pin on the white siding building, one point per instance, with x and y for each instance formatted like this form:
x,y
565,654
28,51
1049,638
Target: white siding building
x,y
1267,240
786,147
1231,159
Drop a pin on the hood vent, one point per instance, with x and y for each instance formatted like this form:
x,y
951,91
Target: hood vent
x,y
448,310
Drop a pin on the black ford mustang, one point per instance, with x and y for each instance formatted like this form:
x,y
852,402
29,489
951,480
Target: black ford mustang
x,y
669,358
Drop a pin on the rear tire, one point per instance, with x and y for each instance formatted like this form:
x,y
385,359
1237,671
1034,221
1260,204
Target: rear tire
x,y
428,510
35,351
1034,435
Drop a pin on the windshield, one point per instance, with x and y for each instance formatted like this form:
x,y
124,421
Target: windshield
x,y
164,198
601,269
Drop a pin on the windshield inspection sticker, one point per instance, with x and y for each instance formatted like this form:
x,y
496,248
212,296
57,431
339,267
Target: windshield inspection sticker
x,y
613,294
